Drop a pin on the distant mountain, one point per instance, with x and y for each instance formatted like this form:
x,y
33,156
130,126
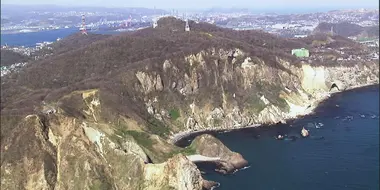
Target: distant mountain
x,y
327,41
19,10
370,32
346,29
228,10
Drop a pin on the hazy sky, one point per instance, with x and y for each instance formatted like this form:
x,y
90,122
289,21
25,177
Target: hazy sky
x,y
201,4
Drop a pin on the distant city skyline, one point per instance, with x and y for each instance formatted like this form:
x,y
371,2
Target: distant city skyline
x,y
296,5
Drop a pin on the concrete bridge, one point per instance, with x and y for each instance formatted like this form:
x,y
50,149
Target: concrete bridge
x,y
199,158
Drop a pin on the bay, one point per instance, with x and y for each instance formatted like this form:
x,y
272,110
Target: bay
x,y
342,151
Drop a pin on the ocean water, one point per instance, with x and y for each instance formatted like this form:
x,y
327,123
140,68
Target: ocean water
x,y
343,154
30,39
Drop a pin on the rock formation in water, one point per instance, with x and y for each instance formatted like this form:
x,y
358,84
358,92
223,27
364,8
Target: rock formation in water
x,y
208,145
100,116
304,132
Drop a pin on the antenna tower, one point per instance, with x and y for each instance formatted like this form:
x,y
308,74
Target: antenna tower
x,y
129,21
83,28
187,27
155,23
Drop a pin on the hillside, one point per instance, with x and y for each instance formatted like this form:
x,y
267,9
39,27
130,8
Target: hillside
x,y
370,32
347,30
72,42
77,40
104,115
320,39
9,57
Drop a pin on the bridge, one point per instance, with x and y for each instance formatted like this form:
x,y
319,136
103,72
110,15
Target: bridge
x,y
199,158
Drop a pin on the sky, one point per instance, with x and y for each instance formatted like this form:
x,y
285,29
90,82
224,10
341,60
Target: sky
x,y
204,4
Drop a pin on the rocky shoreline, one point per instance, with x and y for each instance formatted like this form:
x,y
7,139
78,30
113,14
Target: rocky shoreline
x,y
233,161
177,137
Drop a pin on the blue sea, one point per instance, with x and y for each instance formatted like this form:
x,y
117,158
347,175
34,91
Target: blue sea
x,y
342,152
30,39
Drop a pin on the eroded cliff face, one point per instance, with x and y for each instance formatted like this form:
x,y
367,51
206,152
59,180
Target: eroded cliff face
x,y
223,89
177,173
80,142
65,152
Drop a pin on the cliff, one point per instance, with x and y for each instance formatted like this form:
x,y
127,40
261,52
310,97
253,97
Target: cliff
x,y
102,116
65,153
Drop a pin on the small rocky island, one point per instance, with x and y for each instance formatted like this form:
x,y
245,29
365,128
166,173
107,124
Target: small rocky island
x,y
304,132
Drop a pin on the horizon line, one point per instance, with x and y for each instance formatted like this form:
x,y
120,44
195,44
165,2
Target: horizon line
x,y
305,8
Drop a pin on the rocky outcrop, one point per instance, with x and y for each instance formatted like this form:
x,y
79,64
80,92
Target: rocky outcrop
x,y
304,132
208,145
208,185
149,83
176,173
67,153
243,90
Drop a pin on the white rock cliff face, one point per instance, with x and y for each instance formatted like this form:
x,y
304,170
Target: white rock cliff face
x,y
74,154
292,93
177,173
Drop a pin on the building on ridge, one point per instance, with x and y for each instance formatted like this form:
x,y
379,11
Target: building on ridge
x,y
187,27
300,52
155,23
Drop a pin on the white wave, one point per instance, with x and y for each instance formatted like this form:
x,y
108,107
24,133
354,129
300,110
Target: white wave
x,y
241,169
318,125
349,118
218,185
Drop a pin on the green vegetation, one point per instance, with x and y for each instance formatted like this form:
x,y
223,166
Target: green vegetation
x,y
217,121
189,150
281,102
174,114
157,127
255,104
272,93
141,138
98,184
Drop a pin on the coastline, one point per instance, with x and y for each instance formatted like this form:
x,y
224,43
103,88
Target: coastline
x,y
175,138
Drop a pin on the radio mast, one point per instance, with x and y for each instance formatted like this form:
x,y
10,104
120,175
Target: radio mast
x,y
83,27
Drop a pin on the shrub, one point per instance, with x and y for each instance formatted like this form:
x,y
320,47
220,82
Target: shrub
x,y
174,114
141,138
